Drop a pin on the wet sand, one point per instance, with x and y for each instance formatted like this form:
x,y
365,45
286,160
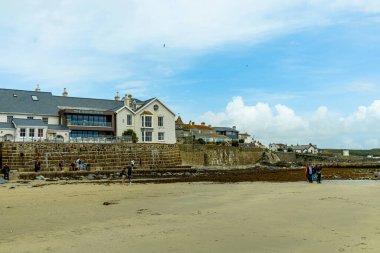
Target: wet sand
x,y
191,217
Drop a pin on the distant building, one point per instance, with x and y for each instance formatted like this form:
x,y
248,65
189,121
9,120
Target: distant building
x,y
245,137
346,152
187,133
305,149
231,133
275,147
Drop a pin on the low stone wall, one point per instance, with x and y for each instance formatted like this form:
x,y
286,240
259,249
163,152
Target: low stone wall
x,y
21,156
287,157
211,155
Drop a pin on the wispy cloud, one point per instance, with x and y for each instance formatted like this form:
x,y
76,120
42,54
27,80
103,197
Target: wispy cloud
x,y
362,87
64,42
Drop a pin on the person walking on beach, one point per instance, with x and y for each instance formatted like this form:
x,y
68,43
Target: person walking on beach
x,y
130,169
123,175
319,173
6,171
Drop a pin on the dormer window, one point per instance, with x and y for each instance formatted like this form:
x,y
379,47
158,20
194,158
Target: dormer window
x,y
34,98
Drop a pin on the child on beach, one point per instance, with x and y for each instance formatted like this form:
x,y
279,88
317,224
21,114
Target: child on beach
x,y
123,175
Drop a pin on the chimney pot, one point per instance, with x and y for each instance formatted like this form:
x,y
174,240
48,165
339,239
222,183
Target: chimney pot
x,y
64,92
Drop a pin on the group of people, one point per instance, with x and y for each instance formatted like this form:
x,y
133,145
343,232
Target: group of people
x,y
78,164
127,173
313,173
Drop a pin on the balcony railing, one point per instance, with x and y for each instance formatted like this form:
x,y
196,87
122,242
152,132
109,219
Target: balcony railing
x,y
89,123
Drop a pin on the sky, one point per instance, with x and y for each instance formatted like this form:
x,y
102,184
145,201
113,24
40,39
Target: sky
x,y
284,71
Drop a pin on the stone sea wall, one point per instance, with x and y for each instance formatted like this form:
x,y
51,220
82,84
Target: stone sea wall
x,y
21,156
211,155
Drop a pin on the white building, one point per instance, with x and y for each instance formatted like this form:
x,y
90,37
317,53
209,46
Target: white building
x,y
305,149
39,116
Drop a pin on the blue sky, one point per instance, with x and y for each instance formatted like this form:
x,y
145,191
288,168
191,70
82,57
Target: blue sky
x,y
284,71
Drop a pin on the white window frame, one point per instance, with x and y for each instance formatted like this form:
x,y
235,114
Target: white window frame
x,y
161,136
160,121
129,120
145,138
144,119
31,132
22,132
40,132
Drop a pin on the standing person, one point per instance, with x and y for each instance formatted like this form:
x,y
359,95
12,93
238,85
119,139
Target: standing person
x,y
123,175
319,173
6,171
37,166
130,169
307,172
310,172
78,162
314,175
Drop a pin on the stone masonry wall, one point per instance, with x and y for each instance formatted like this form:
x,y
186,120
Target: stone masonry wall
x,y
211,155
287,157
21,156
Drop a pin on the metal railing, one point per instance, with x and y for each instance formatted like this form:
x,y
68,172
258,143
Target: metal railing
x,y
70,140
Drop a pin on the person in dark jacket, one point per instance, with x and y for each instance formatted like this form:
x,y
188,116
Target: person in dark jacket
x,y
319,173
37,166
6,171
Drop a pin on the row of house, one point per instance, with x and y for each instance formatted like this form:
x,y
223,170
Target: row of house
x,y
37,115
187,133
191,131
304,149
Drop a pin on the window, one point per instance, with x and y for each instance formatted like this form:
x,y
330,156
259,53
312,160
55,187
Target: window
x,y
9,119
160,121
30,117
146,121
129,119
45,120
34,98
147,136
161,136
22,132
31,132
40,132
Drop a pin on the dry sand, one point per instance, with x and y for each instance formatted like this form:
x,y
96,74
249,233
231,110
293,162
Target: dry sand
x,y
191,217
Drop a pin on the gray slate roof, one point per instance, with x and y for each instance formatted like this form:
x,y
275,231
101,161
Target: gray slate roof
x,y
302,147
5,125
222,129
20,101
29,122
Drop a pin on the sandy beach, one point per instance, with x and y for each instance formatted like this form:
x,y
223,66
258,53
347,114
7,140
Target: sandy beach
x,y
191,217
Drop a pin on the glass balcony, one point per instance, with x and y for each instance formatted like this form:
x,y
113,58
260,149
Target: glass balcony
x,y
88,123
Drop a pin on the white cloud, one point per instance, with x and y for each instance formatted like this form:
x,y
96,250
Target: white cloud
x,y
69,41
282,124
